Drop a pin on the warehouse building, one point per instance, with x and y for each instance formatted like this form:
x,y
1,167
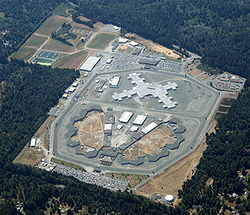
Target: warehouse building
x,y
89,64
149,127
140,119
126,117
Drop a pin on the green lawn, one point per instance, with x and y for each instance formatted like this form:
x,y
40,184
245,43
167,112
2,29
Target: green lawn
x,y
35,41
65,163
24,53
208,69
101,41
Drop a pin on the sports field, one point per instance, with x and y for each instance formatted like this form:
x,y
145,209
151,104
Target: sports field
x,y
48,55
101,41
24,53
71,61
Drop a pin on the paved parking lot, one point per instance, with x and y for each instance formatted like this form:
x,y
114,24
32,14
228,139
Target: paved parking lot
x,y
93,178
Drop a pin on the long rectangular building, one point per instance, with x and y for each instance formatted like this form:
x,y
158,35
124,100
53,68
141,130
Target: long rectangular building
x,y
89,64
126,117
140,119
149,128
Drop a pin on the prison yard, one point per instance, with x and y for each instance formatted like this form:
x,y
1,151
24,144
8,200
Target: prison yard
x,y
136,112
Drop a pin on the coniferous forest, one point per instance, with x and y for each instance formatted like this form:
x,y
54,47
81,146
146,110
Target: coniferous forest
x,y
217,30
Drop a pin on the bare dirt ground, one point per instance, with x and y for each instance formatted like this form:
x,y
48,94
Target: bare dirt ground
x,y
172,179
90,131
203,76
154,46
151,143
194,72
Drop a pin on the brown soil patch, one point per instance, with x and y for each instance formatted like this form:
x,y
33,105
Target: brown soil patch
x,y
203,76
151,143
71,61
90,131
29,156
123,47
154,46
194,72
170,181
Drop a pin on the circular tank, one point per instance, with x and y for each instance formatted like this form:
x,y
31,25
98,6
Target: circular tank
x,y
169,198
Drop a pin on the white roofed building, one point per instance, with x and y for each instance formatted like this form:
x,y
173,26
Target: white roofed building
x,y
123,40
114,82
140,119
133,43
89,64
126,117
149,128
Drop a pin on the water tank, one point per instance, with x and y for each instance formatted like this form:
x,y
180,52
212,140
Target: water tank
x,y
169,198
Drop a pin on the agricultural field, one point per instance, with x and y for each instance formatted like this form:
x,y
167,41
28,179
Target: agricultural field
x,y
24,53
101,41
72,61
53,23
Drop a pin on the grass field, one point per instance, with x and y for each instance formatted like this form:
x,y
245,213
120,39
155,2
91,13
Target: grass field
x,y
172,179
55,45
101,41
60,10
65,163
29,156
53,23
42,61
71,61
35,41
24,53
208,69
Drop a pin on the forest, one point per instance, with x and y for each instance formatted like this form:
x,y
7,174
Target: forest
x,y
217,30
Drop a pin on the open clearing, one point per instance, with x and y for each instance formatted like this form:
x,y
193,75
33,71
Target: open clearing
x,y
55,45
35,41
101,41
154,46
171,180
24,53
71,61
53,23
29,156
151,143
90,131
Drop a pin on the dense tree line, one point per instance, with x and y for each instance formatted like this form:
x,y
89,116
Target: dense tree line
x,y
19,19
218,30
224,161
